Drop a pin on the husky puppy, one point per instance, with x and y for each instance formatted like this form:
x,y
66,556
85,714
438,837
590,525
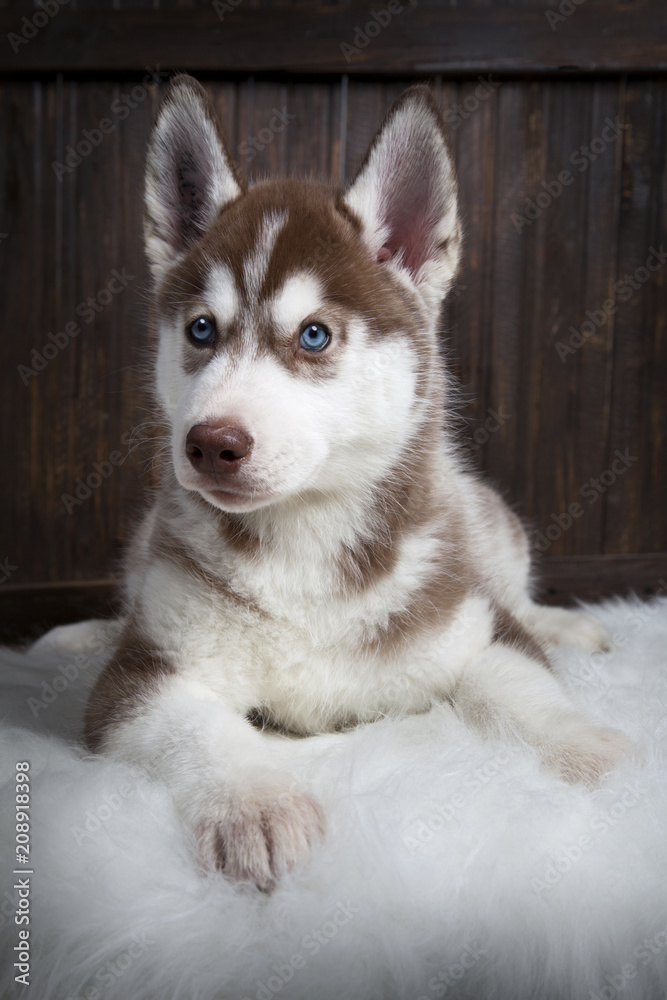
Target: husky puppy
x,y
316,553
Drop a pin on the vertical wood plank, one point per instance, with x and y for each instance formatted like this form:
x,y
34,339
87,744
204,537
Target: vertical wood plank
x,y
634,515
518,295
576,247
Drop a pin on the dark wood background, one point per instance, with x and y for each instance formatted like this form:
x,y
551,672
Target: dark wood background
x,y
550,89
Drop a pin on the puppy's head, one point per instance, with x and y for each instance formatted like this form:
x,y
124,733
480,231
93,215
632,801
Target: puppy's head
x,y
296,322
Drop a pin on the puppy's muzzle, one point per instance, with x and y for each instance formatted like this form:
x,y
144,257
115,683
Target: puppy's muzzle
x,y
217,451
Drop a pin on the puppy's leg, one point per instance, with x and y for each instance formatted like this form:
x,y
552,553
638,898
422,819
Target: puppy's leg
x,y
565,625
94,635
506,690
507,566
250,820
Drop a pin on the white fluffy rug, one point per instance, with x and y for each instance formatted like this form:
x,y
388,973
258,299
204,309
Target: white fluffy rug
x,y
451,868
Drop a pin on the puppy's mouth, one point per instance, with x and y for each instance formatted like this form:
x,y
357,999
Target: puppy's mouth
x,y
237,499
219,459
235,496
220,463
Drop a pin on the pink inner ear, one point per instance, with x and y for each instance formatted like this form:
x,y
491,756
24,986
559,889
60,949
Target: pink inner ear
x,y
412,185
412,214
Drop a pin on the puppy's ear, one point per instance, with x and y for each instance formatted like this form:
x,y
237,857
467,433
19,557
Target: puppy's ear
x,y
190,175
405,196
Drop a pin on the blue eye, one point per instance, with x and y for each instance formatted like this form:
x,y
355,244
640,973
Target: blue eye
x,y
202,331
314,337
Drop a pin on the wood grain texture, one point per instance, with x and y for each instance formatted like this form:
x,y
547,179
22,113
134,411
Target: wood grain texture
x,y
600,36
74,398
519,293
573,246
633,513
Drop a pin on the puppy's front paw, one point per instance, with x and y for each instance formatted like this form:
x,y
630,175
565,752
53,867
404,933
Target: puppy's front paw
x,y
259,833
585,632
590,755
574,628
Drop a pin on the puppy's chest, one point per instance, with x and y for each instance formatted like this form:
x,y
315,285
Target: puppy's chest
x,y
308,685
312,658
313,672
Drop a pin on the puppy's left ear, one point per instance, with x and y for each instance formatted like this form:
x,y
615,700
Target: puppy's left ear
x,y
406,198
190,175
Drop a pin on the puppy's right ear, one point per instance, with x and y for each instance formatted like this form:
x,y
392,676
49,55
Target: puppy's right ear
x,y
190,175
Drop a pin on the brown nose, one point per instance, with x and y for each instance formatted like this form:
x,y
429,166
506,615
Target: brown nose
x,y
217,451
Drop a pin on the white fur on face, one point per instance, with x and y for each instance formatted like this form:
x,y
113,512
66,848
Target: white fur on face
x,y
222,294
172,380
260,397
337,433
257,263
300,297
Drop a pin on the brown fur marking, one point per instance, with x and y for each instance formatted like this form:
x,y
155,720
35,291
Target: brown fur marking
x,y
510,632
133,672
317,238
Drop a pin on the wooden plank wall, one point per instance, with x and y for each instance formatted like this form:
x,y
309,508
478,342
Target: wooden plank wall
x,y
547,422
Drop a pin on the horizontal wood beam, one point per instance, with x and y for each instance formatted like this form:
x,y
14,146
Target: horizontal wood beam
x,y
564,579
27,611
596,37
